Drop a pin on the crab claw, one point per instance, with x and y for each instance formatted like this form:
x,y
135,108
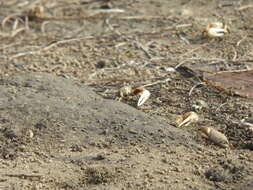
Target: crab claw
x,y
216,32
187,119
215,136
144,95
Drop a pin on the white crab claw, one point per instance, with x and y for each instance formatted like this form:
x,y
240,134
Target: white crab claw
x,y
187,119
216,32
145,94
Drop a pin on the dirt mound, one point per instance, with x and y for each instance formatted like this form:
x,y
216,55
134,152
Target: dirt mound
x,y
58,133
57,108
47,113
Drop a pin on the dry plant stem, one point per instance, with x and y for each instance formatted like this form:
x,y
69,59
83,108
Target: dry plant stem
x,y
189,59
144,49
14,33
184,39
235,54
18,55
93,13
220,106
181,63
27,23
112,28
240,41
193,50
141,17
157,82
245,7
178,26
24,176
15,25
195,86
43,26
6,19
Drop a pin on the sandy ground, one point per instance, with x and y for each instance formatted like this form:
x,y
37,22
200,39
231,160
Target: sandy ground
x,y
62,124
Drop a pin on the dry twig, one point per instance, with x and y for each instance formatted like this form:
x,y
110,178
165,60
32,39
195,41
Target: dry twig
x,y
220,106
239,42
157,82
195,86
144,49
141,17
178,26
245,7
235,54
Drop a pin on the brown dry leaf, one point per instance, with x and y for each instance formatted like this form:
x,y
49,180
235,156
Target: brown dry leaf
x,y
231,82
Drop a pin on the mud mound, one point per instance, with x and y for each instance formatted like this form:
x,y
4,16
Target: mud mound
x,y
54,109
58,133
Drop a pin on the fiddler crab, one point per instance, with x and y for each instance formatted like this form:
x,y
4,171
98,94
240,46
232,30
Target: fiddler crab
x,y
142,92
187,119
216,30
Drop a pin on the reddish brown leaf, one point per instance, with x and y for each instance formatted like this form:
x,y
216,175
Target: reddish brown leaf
x,y
235,83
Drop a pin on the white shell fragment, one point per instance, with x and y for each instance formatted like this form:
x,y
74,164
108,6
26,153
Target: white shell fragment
x,y
215,136
187,119
216,30
144,95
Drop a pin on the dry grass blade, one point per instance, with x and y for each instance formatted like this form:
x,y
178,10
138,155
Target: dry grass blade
x,y
245,7
8,18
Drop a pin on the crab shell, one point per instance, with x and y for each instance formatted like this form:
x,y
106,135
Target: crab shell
x,y
125,91
36,12
215,136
